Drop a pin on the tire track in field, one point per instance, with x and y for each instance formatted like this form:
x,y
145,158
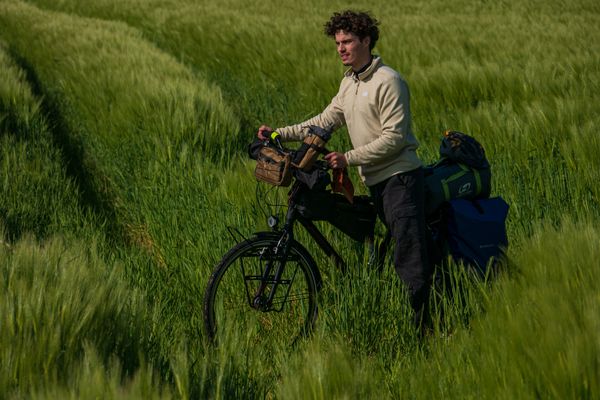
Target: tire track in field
x,y
98,200
21,124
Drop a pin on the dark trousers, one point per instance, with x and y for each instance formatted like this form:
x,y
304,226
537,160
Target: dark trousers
x,y
400,204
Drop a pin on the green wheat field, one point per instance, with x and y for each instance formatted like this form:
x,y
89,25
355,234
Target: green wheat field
x,y
123,134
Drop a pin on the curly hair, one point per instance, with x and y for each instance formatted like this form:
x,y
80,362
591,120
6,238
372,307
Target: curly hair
x,y
362,24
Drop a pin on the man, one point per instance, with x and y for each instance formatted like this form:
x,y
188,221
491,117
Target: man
x,y
373,101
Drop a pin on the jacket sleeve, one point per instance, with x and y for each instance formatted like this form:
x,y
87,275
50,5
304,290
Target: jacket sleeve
x,y
394,119
332,116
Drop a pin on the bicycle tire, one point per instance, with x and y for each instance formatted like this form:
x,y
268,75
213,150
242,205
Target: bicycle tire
x,y
228,310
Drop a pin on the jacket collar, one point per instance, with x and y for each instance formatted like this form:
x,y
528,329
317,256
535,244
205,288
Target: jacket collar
x,y
364,75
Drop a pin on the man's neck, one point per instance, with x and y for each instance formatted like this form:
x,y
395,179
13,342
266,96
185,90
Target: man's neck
x,y
364,67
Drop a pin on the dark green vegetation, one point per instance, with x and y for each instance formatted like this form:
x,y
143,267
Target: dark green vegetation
x,y
123,127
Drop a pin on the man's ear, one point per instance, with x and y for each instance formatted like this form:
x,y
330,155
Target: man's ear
x,y
366,40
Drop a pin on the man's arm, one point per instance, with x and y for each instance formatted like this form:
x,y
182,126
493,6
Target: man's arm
x,y
332,116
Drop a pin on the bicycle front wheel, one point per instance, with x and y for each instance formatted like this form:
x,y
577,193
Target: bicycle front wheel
x,y
236,300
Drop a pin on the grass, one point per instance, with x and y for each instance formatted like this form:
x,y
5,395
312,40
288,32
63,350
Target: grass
x,y
62,308
123,128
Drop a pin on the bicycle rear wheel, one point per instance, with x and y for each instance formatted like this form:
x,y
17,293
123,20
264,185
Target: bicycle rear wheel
x,y
233,309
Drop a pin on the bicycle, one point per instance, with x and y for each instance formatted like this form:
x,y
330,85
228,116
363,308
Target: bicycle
x,y
269,282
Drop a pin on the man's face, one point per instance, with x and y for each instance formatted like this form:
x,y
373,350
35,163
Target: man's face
x,y
353,52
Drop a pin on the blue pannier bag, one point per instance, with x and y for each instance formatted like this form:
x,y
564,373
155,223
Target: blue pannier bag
x,y
476,231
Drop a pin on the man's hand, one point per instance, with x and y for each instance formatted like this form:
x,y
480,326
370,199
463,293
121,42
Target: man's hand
x,y
264,132
336,160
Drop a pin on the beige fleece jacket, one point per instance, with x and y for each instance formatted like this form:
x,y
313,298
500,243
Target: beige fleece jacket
x,y
375,107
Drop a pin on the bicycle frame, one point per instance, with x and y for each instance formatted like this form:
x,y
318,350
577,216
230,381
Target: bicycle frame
x,y
286,236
